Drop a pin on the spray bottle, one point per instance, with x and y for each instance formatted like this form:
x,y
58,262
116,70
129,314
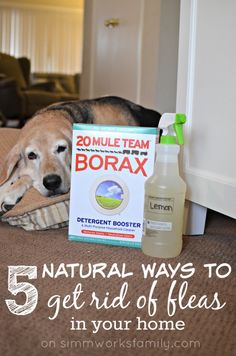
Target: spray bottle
x,y
165,194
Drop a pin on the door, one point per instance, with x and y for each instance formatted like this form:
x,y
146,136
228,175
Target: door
x,y
112,42
121,58
206,92
136,58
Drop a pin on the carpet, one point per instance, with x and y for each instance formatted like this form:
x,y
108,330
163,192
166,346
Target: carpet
x,y
115,310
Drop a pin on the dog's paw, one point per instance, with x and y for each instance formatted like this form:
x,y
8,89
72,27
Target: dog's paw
x,y
8,204
12,192
6,207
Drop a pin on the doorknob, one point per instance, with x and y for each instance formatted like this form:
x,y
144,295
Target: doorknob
x,y
112,22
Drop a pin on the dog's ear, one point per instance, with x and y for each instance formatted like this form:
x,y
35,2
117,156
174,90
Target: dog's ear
x,y
66,130
10,164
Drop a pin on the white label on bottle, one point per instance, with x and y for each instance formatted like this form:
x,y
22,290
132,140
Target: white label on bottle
x,y
158,225
161,205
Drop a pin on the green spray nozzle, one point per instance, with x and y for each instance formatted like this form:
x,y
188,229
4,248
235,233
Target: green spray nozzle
x,y
172,126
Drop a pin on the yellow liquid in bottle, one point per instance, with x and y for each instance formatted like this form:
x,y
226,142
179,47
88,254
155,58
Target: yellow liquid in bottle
x,y
163,211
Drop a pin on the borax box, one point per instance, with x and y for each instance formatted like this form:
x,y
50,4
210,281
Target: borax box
x,y
109,167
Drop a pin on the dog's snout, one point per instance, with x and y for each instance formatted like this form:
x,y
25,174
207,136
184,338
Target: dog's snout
x,y
52,181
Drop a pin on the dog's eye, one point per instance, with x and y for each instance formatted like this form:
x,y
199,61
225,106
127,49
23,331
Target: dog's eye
x,y
61,149
32,155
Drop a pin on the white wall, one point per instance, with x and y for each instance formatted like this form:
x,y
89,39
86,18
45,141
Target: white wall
x,y
150,53
168,56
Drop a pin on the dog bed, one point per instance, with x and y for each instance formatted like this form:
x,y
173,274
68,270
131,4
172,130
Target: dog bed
x,y
33,212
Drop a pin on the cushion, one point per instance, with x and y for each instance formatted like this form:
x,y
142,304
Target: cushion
x,y
58,88
33,212
10,66
37,99
25,68
67,81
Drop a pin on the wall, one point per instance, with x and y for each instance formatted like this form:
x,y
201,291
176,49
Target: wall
x,y
150,53
168,56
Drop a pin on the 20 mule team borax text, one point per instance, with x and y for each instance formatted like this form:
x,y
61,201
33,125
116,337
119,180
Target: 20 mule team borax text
x,y
109,167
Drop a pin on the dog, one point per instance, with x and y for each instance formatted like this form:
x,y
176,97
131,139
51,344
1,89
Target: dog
x,y
41,157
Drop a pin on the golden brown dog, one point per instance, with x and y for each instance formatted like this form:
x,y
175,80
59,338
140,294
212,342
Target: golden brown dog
x,y
42,155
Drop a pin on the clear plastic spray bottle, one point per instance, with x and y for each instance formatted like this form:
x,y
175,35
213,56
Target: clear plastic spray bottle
x,y
165,194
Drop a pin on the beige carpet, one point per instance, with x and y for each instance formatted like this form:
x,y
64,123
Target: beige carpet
x,y
207,332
